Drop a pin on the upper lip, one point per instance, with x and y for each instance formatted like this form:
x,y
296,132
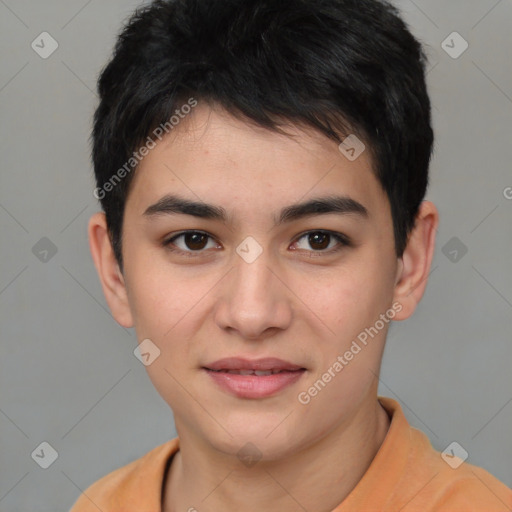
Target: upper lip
x,y
263,364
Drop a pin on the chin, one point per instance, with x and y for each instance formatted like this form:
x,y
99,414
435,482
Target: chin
x,y
265,438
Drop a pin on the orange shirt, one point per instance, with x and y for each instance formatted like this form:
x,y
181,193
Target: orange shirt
x,y
406,475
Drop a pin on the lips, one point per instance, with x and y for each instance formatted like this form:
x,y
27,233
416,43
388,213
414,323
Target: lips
x,y
265,364
258,378
252,372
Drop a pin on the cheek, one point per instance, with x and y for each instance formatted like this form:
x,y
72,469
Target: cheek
x,y
347,300
169,307
159,297
165,312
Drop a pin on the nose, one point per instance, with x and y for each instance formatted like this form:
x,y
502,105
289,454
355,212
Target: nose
x,y
254,301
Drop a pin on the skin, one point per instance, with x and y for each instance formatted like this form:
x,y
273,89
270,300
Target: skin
x,y
294,302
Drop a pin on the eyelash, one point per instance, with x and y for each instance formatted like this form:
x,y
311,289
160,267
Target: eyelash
x,y
343,241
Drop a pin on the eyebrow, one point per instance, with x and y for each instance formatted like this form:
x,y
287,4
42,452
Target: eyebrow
x,y
341,205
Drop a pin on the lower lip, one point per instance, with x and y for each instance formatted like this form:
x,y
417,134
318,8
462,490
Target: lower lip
x,y
254,386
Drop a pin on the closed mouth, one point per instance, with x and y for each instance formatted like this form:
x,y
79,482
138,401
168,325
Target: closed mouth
x,y
253,378
259,373
244,366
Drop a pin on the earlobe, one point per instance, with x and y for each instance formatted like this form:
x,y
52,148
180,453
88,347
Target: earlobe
x,y
112,280
416,261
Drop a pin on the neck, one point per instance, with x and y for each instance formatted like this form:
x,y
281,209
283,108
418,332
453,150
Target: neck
x,y
318,477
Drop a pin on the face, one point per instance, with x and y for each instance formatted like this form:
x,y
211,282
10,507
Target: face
x,y
258,280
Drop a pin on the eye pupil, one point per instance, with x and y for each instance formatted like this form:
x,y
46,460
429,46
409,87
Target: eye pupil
x,y
319,240
196,240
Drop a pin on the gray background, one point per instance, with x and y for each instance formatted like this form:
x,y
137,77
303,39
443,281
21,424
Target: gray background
x,y
68,373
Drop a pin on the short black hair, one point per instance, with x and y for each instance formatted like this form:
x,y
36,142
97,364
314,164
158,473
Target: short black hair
x,y
339,66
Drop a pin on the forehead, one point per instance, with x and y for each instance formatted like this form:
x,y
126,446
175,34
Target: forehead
x,y
212,156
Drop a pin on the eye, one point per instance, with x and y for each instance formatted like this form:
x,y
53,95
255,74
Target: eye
x,y
190,242
194,243
322,241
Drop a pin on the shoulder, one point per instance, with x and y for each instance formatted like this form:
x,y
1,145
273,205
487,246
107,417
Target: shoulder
x,y
136,485
417,477
446,482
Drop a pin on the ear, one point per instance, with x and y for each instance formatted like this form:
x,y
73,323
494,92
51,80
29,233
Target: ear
x,y
414,266
111,277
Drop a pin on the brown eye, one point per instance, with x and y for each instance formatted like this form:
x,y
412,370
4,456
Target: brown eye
x,y
190,242
322,242
318,240
195,241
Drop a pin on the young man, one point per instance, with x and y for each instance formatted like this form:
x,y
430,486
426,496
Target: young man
x,y
262,167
